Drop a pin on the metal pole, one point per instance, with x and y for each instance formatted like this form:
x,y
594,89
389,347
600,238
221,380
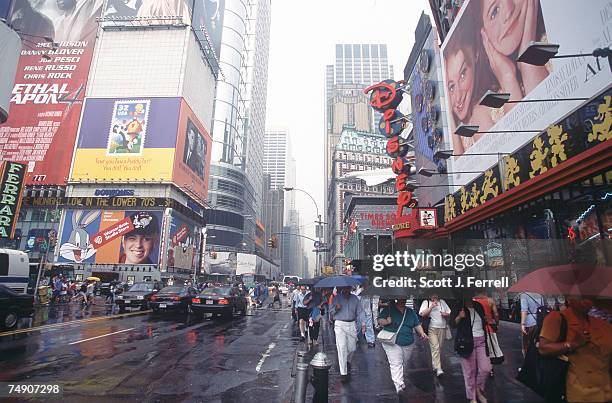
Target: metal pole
x,y
301,382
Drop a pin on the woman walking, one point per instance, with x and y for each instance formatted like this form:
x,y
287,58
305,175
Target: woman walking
x,y
471,345
399,319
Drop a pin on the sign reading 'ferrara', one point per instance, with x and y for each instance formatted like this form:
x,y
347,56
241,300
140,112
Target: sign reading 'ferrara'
x,y
12,176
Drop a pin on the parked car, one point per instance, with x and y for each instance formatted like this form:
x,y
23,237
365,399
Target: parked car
x,y
138,296
14,306
175,298
225,301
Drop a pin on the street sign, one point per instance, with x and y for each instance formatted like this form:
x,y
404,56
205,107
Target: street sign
x,y
317,244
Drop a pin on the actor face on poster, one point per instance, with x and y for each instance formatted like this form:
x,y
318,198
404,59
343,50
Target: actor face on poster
x,y
481,55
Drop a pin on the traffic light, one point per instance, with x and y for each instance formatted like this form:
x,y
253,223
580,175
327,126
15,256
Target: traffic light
x,y
273,242
270,243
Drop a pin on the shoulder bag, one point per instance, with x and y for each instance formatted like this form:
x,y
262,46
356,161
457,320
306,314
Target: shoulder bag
x,y
426,320
387,336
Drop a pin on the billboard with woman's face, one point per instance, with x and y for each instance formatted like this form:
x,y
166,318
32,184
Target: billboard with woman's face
x,y
480,55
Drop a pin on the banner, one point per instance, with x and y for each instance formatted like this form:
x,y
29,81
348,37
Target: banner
x,y
110,237
58,41
12,177
183,244
127,138
480,55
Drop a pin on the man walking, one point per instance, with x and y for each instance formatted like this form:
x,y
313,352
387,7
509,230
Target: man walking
x,y
345,310
530,302
366,304
437,310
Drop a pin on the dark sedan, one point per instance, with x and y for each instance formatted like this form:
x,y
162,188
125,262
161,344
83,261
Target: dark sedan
x,y
225,301
14,306
137,297
175,298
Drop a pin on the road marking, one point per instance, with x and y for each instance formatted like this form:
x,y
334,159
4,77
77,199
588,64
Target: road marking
x,y
264,356
98,337
62,324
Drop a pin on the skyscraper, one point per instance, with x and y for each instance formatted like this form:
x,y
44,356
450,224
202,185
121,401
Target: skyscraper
x,y
356,67
236,179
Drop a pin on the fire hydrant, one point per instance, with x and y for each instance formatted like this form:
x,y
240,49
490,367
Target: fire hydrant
x,y
320,377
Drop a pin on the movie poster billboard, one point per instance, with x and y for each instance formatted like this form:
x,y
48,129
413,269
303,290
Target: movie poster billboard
x,y
183,243
110,237
57,47
480,55
193,148
124,139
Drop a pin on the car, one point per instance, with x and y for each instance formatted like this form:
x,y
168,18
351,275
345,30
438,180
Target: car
x,y
224,301
173,298
14,306
138,296
283,289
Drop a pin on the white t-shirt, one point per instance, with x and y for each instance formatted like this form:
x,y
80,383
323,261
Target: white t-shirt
x,y
90,289
477,330
437,320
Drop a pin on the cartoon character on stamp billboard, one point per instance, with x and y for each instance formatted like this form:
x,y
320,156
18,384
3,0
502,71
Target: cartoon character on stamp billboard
x,y
128,127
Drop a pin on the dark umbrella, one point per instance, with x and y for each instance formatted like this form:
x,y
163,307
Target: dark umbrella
x,y
581,280
336,281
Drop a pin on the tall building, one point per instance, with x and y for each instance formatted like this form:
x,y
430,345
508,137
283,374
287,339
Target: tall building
x,y
272,218
277,152
355,151
236,180
356,67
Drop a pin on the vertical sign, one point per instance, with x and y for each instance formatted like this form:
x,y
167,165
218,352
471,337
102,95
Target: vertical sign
x,y
12,175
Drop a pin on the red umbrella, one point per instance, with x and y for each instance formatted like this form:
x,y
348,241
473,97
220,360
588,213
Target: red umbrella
x,y
582,280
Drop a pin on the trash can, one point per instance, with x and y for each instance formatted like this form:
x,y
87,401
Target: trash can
x,y
43,294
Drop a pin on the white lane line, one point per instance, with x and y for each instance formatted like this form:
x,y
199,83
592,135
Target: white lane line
x,y
104,335
264,356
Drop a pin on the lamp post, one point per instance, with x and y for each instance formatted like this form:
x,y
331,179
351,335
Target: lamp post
x,y
498,99
470,130
539,53
319,228
430,172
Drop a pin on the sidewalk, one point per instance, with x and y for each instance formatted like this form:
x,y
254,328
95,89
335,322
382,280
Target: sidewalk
x,y
371,379
68,312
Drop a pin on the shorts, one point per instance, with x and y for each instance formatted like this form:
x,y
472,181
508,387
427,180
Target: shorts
x,y
303,313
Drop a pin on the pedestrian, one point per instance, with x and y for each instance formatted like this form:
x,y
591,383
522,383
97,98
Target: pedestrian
x,y
276,298
587,346
403,321
530,303
345,310
293,299
90,292
301,311
492,324
366,304
437,310
315,301
471,345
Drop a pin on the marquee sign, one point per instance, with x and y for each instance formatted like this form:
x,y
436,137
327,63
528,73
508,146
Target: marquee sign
x,y
385,97
12,176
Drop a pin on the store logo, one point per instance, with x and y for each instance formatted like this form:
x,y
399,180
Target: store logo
x,y
114,192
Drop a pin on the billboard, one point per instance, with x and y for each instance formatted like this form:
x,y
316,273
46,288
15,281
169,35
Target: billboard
x,y
10,45
58,42
193,148
480,55
153,139
12,177
110,236
183,242
122,10
221,263
208,19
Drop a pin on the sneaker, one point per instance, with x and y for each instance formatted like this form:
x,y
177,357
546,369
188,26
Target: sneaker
x,y
371,345
345,378
481,397
302,338
439,372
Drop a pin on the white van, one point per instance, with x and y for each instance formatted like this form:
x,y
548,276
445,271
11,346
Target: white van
x,y
14,270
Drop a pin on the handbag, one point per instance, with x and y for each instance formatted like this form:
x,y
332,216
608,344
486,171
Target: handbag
x,y
387,336
545,375
464,340
448,335
495,353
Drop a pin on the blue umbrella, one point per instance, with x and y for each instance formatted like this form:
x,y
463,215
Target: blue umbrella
x,y
359,277
337,281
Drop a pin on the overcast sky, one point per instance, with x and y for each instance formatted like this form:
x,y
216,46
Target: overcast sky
x,y
303,36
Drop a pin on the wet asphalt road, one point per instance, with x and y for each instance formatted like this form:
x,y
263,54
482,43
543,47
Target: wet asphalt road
x,y
142,357
145,357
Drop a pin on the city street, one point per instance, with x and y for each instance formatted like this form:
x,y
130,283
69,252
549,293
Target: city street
x,y
137,356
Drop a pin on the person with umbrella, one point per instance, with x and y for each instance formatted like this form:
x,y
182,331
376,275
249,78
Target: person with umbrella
x,y
345,310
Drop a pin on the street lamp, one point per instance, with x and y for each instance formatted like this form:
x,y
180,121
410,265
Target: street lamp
x,y
493,99
471,130
319,222
539,53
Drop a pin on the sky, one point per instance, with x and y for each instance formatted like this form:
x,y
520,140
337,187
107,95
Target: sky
x,y
302,42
